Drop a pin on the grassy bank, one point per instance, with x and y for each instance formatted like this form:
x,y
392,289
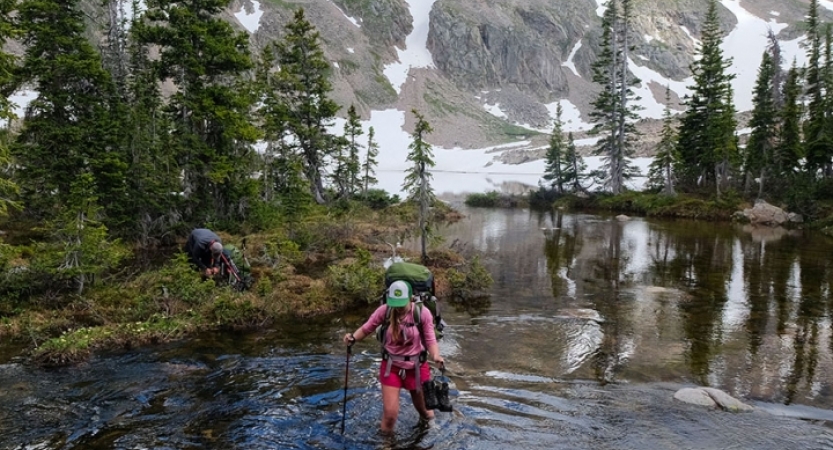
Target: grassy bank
x,y
325,264
635,203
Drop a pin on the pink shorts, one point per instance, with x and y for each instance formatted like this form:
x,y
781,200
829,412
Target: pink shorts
x,y
409,382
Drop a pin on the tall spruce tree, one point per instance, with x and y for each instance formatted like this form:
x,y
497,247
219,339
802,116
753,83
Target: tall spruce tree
x,y
661,174
352,165
302,88
154,182
9,190
573,167
764,123
774,49
75,124
555,155
613,114
211,128
707,143
418,178
369,164
790,144
817,151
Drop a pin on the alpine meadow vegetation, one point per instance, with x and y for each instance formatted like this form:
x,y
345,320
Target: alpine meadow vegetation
x,y
173,123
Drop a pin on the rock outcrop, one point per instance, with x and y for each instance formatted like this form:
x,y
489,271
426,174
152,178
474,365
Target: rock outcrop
x,y
712,398
763,213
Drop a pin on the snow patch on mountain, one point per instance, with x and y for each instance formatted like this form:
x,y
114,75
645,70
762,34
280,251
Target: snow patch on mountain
x,y
458,170
750,33
21,100
416,53
570,116
250,21
569,63
650,106
495,110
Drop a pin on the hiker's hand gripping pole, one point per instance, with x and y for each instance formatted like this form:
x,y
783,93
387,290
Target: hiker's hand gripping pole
x,y
350,343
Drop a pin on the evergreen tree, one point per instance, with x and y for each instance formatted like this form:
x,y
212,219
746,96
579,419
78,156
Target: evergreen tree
x,y
774,49
352,131
9,190
555,155
790,145
154,181
115,53
80,250
418,178
706,144
302,87
764,124
284,185
573,167
368,167
613,114
816,148
74,125
661,174
212,132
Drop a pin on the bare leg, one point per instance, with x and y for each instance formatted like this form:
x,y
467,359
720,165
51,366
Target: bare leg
x,y
390,408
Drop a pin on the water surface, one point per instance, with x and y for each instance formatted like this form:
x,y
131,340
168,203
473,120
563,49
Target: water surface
x,y
591,326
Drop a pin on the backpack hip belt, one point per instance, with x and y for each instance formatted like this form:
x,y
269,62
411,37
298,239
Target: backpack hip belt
x,y
417,359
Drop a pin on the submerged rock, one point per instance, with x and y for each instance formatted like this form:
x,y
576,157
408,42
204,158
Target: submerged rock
x,y
713,398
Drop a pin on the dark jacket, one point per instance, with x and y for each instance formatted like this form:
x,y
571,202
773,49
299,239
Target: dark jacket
x,y
198,247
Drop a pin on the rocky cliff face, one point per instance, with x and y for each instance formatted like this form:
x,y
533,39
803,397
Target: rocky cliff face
x,y
519,54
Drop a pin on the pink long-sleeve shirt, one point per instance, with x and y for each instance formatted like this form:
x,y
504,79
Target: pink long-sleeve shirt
x,y
412,344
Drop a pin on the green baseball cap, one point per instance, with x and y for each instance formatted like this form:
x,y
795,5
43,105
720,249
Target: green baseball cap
x,y
399,294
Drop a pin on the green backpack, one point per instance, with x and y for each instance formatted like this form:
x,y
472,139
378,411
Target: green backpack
x,y
422,282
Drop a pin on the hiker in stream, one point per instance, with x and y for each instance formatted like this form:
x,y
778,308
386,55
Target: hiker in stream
x,y
407,337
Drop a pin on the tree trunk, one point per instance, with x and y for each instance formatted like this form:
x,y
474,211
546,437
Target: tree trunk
x,y
423,211
669,182
761,184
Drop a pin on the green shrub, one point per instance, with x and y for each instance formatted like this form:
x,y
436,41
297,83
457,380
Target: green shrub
x,y
470,281
356,281
177,279
377,199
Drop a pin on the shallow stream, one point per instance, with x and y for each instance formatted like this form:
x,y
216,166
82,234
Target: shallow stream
x,y
591,327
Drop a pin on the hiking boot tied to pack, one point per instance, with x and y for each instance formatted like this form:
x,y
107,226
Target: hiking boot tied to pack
x,y
406,332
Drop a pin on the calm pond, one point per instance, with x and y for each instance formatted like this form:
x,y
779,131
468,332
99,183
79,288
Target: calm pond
x,y
591,327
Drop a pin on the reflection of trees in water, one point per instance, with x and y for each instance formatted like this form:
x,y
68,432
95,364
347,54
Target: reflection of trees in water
x,y
560,248
757,288
702,265
607,359
722,305
811,309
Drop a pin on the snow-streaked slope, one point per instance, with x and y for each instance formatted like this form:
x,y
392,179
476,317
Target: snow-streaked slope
x,y
569,62
456,170
416,52
745,45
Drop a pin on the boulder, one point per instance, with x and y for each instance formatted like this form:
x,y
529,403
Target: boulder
x,y
726,401
765,214
712,398
622,218
695,396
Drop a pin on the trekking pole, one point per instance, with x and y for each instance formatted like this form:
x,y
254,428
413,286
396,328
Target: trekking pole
x,y
346,373
231,268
